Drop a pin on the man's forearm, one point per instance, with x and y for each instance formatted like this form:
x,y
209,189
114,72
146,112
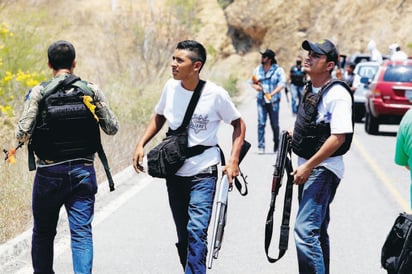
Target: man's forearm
x,y
239,129
154,126
332,144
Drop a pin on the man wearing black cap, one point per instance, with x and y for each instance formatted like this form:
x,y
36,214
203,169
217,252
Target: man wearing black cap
x,y
63,131
322,134
268,80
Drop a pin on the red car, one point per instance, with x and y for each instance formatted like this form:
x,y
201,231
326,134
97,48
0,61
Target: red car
x,y
389,95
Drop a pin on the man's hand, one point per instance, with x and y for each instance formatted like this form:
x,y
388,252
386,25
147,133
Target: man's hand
x,y
301,174
231,170
138,159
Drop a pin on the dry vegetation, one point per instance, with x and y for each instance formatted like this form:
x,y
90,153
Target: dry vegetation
x,y
126,50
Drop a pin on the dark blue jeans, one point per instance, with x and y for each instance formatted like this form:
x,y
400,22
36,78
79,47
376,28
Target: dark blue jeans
x,y
311,227
297,92
191,202
265,110
73,185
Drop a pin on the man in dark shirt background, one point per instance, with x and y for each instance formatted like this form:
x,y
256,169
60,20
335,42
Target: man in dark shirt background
x,y
297,77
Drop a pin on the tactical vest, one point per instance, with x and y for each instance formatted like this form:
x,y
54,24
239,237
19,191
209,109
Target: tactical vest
x,y
65,128
308,137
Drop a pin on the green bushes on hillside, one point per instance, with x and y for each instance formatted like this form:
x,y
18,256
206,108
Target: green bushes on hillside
x,y
18,72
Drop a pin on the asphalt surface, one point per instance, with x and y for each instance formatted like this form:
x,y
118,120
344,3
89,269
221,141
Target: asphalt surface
x,y
134,230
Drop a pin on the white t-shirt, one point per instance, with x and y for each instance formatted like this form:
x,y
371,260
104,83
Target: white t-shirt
x,y
214,106
335,108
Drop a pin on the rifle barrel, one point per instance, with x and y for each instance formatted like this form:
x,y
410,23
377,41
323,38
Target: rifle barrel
x,y
219,220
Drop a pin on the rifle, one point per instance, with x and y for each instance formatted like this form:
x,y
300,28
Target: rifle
x,y
282,163
221,208
10,153
267,95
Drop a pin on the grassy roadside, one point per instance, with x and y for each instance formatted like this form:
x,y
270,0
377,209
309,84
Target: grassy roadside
x,y
130,61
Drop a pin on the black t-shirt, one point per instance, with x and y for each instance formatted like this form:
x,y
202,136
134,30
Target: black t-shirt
x,y
297,75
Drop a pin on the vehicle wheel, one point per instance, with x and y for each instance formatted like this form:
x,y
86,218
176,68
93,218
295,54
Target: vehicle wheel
x,y
371,124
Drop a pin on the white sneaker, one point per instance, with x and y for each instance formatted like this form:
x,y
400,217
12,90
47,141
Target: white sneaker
x,y
261,150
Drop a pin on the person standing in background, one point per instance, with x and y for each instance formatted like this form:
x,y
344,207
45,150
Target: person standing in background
x,y
397,54
268,80
297,78
350,76
403,151
376,55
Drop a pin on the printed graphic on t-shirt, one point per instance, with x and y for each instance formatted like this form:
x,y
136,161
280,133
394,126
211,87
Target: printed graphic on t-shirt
x,y
199,122
327,117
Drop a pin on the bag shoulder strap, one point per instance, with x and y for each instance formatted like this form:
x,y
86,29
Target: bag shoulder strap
x,y
192,105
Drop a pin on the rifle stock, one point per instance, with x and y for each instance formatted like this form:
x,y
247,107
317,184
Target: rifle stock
x,y
220,211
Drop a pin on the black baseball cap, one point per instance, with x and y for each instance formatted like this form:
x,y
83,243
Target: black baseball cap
x,y
323,47
268,53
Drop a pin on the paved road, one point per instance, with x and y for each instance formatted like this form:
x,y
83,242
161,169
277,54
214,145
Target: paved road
x,y
134,231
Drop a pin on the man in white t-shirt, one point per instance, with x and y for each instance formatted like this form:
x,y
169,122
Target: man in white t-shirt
x,y
191,190
322,134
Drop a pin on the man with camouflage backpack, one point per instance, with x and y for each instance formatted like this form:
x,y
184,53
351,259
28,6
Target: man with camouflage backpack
x,y
61,121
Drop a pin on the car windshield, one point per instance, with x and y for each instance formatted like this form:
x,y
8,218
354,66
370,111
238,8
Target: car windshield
x,y
367,71
398,73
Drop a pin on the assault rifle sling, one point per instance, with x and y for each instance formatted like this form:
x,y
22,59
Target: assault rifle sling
x,y
282,163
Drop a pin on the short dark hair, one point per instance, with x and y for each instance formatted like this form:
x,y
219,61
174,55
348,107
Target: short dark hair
x,y
61,55
197,48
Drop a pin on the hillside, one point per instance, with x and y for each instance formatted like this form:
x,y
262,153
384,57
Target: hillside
x,y
283,25
235,32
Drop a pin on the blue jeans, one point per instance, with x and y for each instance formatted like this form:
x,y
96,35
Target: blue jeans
x,y
265,110
311,227
191,202
297,92
73,185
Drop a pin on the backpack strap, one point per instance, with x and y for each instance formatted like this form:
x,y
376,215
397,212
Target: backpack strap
x,y
70,79
105,163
